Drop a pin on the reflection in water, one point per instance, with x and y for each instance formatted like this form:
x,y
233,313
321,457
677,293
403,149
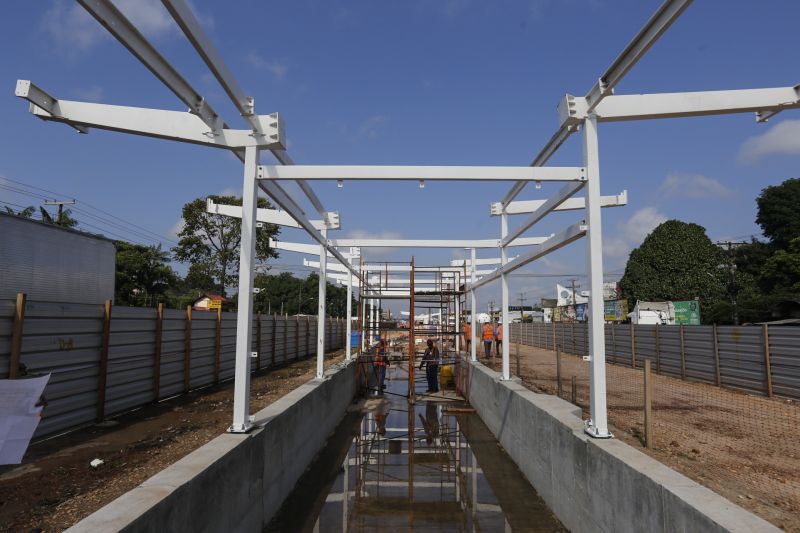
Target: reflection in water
x,y
413,467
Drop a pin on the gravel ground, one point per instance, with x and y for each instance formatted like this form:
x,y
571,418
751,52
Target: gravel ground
x,y
739,445
55,486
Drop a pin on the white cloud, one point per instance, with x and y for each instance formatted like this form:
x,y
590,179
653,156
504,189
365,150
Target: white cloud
x,y
692,186
273,66
782,138
630,233
72,28
372,127
90,94
371,253
176,228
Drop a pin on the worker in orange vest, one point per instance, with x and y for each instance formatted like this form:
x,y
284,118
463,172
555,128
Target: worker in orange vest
x,y
467,336
499,339
488,338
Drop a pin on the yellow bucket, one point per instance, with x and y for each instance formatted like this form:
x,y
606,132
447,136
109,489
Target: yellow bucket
x,y
446,375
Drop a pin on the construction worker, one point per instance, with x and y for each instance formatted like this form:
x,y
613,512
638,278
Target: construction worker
x,y
467,336
380,363
498,338
431,358
488,338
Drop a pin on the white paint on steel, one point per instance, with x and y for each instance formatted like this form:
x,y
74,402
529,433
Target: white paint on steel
x,y
244,318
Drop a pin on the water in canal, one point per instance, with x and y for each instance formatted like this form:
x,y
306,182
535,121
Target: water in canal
x,y
392,466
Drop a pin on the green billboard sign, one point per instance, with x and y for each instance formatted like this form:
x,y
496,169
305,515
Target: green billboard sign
x,y
687,312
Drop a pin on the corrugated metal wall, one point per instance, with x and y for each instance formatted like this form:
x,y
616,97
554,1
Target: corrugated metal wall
x,y
66,340
730,356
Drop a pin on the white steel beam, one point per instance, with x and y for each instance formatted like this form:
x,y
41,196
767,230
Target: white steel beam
x,y
598,425
126,33
38,98
566,192
676,105
521,207
268,216
188,23
432,173
244,319
654,28
506,365
323,285
552,244
434,243
310,249
473,308
445,271
663,18
159,123
287,204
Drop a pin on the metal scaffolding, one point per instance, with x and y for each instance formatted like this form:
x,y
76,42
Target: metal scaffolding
x,y
203,126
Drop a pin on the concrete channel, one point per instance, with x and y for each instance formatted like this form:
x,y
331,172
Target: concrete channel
x,y
323,460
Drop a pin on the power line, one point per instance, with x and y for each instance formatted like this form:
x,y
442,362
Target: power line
x,y
140,231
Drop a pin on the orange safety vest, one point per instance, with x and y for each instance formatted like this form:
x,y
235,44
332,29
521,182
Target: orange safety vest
x,y
488,332
467,331
380,356
500,332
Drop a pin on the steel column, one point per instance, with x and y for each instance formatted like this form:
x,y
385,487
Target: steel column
x,y
244,319
506,375
349,326
473,303
323,285
598,423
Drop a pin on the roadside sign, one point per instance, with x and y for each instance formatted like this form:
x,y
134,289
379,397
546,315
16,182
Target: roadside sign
x,y
687,312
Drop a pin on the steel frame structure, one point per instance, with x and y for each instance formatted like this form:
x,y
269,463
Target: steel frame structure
x,y
202,125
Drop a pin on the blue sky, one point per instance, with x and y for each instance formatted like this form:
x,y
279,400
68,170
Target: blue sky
x,y
414,82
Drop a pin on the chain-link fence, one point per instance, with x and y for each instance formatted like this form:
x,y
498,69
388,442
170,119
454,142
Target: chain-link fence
x,y
741,445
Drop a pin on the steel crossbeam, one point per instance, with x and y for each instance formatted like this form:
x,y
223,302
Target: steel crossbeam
x,y
432,173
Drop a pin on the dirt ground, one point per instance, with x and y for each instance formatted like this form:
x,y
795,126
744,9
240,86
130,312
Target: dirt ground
x,y
55,486
741,446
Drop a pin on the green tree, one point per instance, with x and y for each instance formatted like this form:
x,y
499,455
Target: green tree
x,y
677,261
297,296
24,213
779,212
65,220
213,240
143,276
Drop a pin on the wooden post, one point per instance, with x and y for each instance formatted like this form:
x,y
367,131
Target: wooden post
x,y
633,347
519,372
574,394
187,349
554,335
308,336
683,355
574,343
286,337
558,372
767,365
157,358
258,341
217,345
274,336
16,336
297,337
716,357
614,340
658,349
648,406
103,375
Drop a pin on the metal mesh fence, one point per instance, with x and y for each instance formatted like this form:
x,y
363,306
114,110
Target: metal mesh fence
x,y
739,444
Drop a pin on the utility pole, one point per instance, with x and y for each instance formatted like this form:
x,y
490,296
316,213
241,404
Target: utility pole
x,y
522,304
60,204
574,295
732,290
491,311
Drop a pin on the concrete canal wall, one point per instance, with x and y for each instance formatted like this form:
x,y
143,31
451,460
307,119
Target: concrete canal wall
x,y
591,484
236,482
